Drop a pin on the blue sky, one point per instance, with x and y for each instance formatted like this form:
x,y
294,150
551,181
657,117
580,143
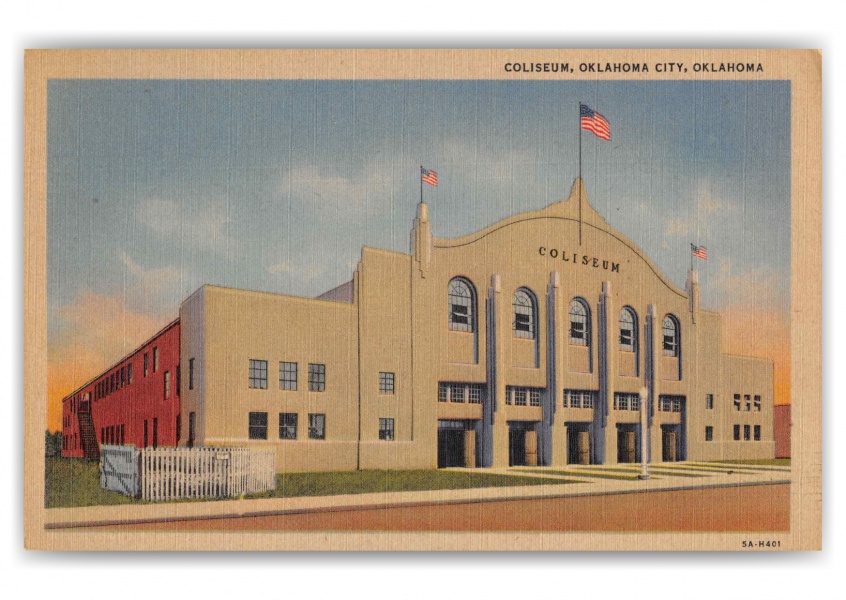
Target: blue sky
x,y
158,187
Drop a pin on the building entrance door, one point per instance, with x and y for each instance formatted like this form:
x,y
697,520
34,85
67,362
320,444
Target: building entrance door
x,y
626,446
670,444
516,447
450,448
578,443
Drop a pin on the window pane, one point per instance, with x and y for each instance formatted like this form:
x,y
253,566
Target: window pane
x,y
258,425
287,426
317,377
258,374
462,305
317,426
288,376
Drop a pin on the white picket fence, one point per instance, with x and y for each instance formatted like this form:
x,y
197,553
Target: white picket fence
x,y
174,473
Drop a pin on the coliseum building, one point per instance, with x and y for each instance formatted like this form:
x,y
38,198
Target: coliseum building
x,y
525,343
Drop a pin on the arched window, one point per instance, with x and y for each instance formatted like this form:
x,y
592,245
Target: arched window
x,y
628,330
671,336
524,314
579,323
462,305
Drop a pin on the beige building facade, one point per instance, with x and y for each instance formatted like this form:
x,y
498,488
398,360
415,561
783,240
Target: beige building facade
x,y
526,343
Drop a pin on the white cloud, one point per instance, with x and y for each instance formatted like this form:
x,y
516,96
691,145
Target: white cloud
x,y
205,228
676,228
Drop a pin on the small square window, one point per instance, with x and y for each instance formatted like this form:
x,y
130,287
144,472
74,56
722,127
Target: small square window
x,y
258,425
386,383
288,376
317,378
258,374
317,426
520,397
287,426
709,433
386,429
534,397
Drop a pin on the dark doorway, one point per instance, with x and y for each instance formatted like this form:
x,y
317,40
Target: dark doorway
x,y
670,444
516,447
450,448
578,444
627,450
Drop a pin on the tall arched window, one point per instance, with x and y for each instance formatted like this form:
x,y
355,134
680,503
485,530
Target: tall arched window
x,y
671,336
628,330
462,305
525,314
579,323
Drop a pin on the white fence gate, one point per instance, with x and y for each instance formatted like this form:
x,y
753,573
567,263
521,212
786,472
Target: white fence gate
x,y
173,473
119,469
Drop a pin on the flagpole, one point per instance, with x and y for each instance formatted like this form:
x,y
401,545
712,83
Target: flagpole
x,y
421,184
580,173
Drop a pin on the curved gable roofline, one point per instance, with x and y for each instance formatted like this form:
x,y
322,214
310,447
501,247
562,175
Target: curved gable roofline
x,y
567,210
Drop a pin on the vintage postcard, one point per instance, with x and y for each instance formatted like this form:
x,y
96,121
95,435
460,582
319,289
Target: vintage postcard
x,y
423,300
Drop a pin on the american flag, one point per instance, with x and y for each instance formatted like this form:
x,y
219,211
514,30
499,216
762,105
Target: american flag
x,y
429,177
595,122
699,252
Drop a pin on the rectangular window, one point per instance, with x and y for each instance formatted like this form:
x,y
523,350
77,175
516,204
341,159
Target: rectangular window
x,y
122,376
287,426
155,360
443,392
757,433
386,430
258,425
386,383
178,428
155,432
146,363
192,428
258,374
737,433
709,401
129,374
288,376
626,401
747,433
519,396
757,403
316,378
676,404
748,401
112,383
317,427
190,373
122,435
178,380
534,397
167,384
709,433
146,441
456,393
475,393
737,402
579,398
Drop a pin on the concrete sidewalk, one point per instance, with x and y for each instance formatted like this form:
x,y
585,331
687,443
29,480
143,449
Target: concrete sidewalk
x,y
576,480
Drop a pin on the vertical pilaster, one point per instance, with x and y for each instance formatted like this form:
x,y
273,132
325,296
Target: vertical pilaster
x,y
605,351
500,323
490,427
652,349
545,434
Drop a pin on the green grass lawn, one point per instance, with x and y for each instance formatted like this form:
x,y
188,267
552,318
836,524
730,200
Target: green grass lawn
x,y
778,462
76,482
289,485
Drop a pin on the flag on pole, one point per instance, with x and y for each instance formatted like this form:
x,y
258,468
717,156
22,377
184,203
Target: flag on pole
x,y
429,177
595,122
699,252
